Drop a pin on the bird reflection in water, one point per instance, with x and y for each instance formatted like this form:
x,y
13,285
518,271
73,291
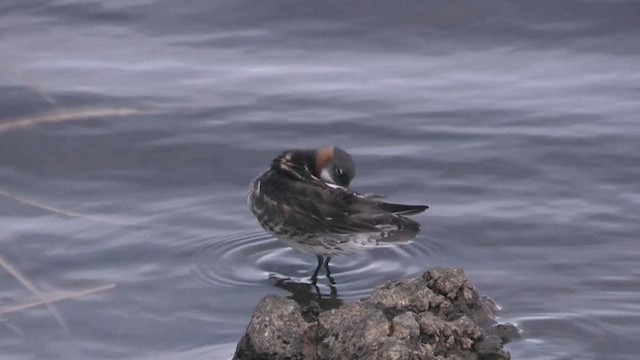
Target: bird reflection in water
x,y
308,294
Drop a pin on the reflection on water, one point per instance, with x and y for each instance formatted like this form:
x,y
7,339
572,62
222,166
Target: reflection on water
x,y
307,294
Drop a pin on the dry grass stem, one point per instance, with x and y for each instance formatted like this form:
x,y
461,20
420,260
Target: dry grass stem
x,y
29,285
63,212
51,298
62,116
32,85
13,328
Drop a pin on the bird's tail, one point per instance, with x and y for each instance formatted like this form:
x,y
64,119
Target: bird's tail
x,y
401,209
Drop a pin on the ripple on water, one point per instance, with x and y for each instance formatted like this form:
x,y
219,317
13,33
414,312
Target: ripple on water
x,y
255,259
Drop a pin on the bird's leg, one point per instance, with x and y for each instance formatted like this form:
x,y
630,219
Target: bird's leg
x,y
314,277
326,267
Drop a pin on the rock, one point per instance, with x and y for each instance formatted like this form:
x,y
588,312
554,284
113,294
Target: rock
x,y
355,330
434,316
506,332
461,296
405,326
277,331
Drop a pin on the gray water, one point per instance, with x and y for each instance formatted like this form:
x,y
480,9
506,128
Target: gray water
x,y
516,121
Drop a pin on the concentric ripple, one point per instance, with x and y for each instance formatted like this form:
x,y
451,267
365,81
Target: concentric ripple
x,y
358,274
236,260
250,259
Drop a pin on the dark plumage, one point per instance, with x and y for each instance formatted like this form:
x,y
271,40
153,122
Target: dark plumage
x,y
304,201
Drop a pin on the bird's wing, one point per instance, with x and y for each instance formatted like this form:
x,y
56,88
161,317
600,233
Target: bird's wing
x,y
314,208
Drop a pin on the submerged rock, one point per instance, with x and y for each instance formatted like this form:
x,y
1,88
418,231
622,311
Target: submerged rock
x,y
437,315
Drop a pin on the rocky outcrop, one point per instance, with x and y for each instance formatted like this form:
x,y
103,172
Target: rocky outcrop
x,y
438,315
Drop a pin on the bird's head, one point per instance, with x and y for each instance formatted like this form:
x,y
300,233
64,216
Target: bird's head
x,y
334,165
330,164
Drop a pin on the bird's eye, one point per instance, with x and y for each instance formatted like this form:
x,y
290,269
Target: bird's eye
x,y
341,177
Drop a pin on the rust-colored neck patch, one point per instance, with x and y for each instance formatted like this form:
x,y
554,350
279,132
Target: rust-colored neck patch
x,y
322,157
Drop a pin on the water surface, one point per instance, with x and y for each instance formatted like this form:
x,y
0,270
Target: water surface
x,y
517,122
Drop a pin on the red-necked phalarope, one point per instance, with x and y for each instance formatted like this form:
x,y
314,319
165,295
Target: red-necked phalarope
x,y
303,199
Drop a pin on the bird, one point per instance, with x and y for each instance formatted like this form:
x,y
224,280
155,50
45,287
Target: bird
x,y
304,200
